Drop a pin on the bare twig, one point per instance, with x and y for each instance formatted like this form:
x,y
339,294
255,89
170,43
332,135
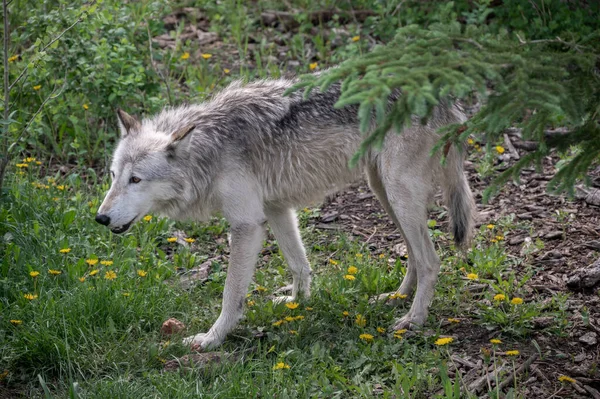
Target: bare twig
x,y
52,96
4,160
520,370
511,147
78,20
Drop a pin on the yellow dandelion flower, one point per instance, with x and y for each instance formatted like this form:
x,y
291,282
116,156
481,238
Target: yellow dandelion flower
x,y
38,163
299,318
61,187
500,149
380,330
381,256
397,296
94,272
470,141
366,337
453,320
22,165
345,313
251,303
400,333
142,273
499,297
352,270
281,366
562,378
172,239
91,262
313,66
512,353
308,308
260,288
289,319
36,88
355,38
54,272
444,341
349,277
359,255
472,276
86,107
185,56
495,341
31,297
13,58
82,279
190,240
29,159
147,218
490,226
278,323
110,275
126,294
291,305
516,301
34,274
107,262
493,241
206,56
333,262
360,320
499,238
226,70
16,322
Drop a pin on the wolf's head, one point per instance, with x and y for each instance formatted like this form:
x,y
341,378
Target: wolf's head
x,y
143,172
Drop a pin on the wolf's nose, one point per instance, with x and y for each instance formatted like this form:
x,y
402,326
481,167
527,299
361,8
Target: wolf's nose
x,y
102,219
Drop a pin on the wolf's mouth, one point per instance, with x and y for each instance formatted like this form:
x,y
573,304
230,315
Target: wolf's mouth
x,y
124,228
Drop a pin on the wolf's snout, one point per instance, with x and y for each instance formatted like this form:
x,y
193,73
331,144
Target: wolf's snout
x,y
103,219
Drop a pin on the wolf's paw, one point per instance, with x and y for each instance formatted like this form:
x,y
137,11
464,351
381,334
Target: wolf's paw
x,y
202,341
389,298
408,322
283,299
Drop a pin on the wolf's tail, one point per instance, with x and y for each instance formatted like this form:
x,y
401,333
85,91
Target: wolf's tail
x,y
458,197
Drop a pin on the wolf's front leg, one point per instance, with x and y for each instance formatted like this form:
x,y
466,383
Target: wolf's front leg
x,y
246,241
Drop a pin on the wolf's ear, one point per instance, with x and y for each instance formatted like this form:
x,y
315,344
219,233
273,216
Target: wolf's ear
x,y
181,133
127,123
176,138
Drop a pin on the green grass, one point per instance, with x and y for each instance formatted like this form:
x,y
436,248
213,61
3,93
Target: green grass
x,y
104,336
91,337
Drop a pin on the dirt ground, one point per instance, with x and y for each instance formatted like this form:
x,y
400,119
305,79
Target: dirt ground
x,y
570,232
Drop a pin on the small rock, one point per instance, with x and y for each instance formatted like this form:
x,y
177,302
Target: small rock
x,y
589,338
580,358
516,240
553,235
172,326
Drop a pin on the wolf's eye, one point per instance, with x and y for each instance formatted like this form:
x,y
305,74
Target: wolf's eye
x,y
135,179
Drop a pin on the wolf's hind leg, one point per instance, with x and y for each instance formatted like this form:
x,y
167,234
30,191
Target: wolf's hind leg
x,y
284,224
410,280
408,196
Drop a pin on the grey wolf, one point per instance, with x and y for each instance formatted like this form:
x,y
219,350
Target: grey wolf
x,y
255,156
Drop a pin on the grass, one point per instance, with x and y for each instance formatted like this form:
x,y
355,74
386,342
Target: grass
x,y
91,329
103,334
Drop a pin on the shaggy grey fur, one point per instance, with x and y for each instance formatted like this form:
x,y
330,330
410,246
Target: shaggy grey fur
x,y
256,155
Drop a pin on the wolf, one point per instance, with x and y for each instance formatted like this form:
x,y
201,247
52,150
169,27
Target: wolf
x,y
255,155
